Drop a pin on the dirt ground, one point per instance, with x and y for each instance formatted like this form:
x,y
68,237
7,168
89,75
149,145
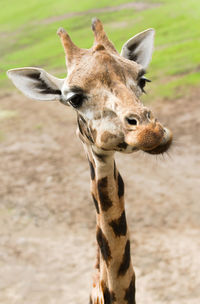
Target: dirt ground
x,y
47,219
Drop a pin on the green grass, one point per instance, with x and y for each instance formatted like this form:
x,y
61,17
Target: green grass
x,y
28,38
4,114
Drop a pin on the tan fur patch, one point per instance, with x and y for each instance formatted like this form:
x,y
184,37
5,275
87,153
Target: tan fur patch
x,y
106,136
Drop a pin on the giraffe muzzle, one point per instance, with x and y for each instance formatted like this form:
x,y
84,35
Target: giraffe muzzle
x,y
165,143
153,138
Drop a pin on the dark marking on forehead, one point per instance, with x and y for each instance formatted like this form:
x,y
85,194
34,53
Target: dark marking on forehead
x,y
104,246
130,292
42,85
119,226
105,77
119,71
92,172
105,201
95,203
109,296
125,260
120,186
111,69
90,300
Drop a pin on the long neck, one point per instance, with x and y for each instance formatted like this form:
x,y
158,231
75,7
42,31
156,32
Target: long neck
x,y
115,280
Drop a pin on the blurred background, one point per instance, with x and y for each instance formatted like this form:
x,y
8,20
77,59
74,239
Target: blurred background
x,y
47,219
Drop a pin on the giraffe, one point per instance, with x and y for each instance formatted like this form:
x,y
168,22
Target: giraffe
x,y
104,88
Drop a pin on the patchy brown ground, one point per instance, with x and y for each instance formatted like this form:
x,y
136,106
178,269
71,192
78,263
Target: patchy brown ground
x,y
47,219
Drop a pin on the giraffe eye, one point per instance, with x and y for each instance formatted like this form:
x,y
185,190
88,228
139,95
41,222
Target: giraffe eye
x,y
76,100
142,82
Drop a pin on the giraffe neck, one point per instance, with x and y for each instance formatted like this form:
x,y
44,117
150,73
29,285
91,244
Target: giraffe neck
x,y
114,281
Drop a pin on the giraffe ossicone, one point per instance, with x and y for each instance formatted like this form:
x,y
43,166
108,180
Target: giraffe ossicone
x,y
104,88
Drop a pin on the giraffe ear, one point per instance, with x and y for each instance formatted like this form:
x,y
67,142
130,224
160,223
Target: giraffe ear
x,y
36,83
140,48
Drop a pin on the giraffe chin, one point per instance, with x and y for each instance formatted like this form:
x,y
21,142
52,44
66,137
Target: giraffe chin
x,y
164,145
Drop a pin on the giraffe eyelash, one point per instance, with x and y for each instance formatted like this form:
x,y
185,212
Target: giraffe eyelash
x,y
142,82
76,100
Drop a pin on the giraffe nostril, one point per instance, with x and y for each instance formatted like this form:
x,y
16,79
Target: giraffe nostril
x,y
132,121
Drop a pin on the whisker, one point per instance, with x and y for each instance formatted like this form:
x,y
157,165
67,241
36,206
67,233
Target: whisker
x,y
169,155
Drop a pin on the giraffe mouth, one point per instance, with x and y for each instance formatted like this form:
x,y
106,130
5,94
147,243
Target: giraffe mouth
x,y
164,145
153,139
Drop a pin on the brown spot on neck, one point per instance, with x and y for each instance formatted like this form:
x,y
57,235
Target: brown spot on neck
x,y
109,296
105,201
125,261
120,186
103,245
119,225
130,292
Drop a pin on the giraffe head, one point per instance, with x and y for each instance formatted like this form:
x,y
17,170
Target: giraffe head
x,y
104,88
